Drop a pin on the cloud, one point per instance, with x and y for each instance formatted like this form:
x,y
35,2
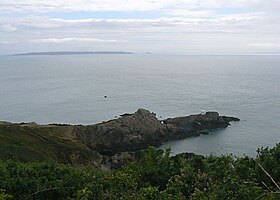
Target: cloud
x,y
231,26
191,13
229,23
8,28
7,42
88,5
67,40
115,24
265,45
37,22
43,6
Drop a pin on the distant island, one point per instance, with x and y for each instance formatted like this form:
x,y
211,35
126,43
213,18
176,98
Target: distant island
x,y
63,53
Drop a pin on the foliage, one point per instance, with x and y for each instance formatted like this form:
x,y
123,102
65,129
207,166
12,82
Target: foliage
x,y
154,176
4,196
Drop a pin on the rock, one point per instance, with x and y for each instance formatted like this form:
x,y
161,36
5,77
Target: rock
x,y
127,133
211,115
97,159
132,132
230,119
113,143
118,160
126,114
121,159
204,132
179,127
194,134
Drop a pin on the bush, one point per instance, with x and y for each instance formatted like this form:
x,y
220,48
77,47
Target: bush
x,y
154,176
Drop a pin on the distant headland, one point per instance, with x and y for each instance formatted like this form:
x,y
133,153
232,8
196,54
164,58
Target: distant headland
x,y
64,53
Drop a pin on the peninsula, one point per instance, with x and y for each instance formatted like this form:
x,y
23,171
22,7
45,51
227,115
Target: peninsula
x,y
110,144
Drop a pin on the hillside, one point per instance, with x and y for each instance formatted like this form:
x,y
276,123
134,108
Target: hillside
x,y
42,143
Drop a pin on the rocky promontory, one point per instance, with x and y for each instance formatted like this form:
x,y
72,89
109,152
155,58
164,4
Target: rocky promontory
x,y
129,132
110,143
132,132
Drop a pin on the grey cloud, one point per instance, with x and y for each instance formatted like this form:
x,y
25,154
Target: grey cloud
x,y
191,26
8,28
72,39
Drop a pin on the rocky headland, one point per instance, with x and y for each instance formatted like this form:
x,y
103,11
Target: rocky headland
x,y
108,144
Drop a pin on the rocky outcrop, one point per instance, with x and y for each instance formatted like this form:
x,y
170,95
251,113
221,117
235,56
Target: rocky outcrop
x,y
132,132
193,125
108,144
105,162
118,160
127,133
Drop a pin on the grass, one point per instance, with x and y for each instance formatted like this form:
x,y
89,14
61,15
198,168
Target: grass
x,y
35,143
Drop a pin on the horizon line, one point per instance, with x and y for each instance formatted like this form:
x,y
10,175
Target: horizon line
x,y
132,53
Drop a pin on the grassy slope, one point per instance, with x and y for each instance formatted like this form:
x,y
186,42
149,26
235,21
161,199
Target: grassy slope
x,y
38,143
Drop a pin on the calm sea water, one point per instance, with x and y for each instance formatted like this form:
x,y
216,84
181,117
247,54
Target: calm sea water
x,y
71,89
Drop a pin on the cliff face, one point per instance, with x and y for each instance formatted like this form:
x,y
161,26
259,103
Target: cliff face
x,y
105,143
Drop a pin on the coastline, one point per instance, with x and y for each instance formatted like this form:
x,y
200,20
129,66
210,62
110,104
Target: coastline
x,y
109,144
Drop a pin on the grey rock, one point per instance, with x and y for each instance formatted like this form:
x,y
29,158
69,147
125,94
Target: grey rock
x,y
127,133
133,132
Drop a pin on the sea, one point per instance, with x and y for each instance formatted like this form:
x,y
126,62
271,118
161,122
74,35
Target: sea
x,y
71,90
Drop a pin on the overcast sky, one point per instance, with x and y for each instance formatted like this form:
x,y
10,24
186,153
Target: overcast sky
x,y
158,26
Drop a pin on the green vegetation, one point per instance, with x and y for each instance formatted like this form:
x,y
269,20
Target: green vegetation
x,y
154,176
41,143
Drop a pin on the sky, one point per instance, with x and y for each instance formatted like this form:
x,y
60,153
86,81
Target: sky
x,y
157,26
